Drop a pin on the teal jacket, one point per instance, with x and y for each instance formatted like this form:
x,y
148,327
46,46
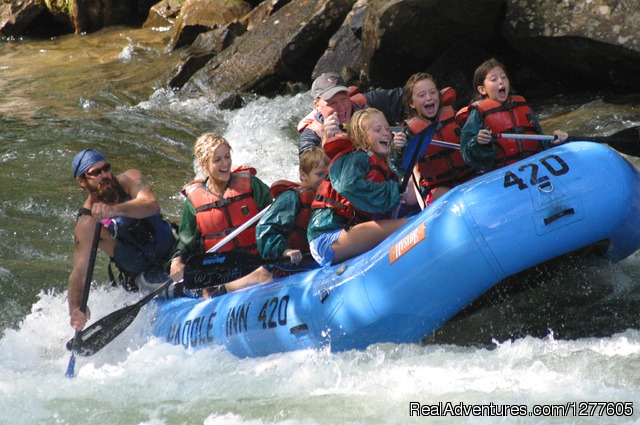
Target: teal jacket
x,y
347,174
278,222
479,156
188,233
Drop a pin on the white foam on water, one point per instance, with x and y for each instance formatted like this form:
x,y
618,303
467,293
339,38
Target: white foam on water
x,y
142,380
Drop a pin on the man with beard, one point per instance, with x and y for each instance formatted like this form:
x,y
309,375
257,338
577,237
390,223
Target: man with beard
x,y
134,234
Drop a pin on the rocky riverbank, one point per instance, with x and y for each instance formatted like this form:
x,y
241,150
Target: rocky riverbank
x,y
235,47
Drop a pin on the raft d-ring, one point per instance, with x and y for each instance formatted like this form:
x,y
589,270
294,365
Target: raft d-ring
x,y
546,187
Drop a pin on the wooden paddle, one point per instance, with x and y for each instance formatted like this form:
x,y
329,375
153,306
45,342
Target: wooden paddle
x,y
626,141
85,298
95,337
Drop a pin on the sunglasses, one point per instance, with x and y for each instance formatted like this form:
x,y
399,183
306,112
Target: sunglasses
x,y
95,173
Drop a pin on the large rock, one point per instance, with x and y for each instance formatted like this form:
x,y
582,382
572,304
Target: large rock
x,y
401,37
91,15
203,49
56,17
343,54
198,16
16,16
284,48
596,41
383,42
210,43
163,14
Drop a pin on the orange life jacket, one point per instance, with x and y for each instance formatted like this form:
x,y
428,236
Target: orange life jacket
x,y
297,239
328,197
217,217
310,122
441,165
512,116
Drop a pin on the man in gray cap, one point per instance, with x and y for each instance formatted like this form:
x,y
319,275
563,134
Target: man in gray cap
x,y
334,104
134,234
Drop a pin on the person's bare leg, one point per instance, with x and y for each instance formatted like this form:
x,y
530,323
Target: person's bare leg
x,y
441,190
363,237
256,277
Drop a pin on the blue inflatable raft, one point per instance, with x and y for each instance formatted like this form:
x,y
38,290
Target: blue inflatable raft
x,y
479,233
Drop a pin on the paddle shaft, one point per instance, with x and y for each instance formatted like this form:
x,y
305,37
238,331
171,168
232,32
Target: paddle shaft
x,y
239,230
443,144
451,145
85,297
626,141
523,136
427,132
629,136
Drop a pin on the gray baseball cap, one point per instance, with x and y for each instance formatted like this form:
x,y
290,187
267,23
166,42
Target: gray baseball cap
x,y
327,85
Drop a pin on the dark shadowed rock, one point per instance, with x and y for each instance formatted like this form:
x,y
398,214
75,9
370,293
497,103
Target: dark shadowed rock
x,y
91,15
206,46
403,37
284,48
56,17
578,41
16,16
344,52
263,11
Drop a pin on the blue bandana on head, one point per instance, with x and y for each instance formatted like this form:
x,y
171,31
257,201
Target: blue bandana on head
x,y
85,160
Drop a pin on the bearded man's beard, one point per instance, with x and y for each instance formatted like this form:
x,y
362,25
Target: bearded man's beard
x,y
108,195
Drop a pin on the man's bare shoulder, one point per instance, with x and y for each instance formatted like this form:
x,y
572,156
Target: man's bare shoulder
x,y
131,181
131,174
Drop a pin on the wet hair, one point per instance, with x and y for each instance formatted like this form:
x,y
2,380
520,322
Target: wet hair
x,y
407,92
312,158
357,130
206,145
481,72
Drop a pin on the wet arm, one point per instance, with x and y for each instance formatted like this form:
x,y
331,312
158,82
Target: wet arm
x,y
143,202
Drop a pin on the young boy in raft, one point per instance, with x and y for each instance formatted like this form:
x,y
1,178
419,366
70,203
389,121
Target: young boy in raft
x,y
360,184
494,111
282,231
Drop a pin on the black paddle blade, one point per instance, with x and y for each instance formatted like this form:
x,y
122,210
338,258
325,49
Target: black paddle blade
x,y
626,141
95,337
202,271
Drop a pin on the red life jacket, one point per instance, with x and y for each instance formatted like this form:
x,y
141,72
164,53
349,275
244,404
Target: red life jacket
x,y
462,116
440,165
512,116
217,217
297,239
328,197
358,101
